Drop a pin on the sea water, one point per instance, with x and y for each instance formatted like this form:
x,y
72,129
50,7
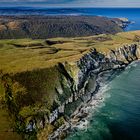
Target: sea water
x,y
133,14
118,117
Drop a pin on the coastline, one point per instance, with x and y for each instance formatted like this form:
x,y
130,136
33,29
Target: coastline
x,y
93,72
76,74
125,22
99,108
120,61
78,120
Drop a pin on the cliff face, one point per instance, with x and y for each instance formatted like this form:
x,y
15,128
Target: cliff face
x,y
29,98
95,63
42,99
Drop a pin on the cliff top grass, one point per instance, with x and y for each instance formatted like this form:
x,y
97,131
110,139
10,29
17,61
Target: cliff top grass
x,y
5,127
18,55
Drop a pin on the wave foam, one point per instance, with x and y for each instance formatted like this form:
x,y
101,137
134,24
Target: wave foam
x,y
96,103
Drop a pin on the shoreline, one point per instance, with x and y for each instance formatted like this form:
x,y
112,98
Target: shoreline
x,y
82,113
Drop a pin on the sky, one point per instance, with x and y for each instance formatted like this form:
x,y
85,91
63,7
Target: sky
x,y
71,3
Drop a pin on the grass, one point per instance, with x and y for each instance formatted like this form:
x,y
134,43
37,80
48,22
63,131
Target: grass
x,y
23,56
6,132
19,55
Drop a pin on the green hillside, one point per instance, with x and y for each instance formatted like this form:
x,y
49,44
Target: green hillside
x,y
37,76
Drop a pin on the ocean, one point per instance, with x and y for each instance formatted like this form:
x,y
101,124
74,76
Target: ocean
x,y
133,14
118,116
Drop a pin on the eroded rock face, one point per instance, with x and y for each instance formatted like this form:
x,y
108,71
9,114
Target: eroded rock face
x,y
72,86
95,63
92,65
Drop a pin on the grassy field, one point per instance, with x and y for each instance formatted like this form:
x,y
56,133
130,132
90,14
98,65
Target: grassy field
x,y
26,54
6,133
21,55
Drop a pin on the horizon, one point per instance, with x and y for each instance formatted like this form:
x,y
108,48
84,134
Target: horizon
x,y
57,7
72,3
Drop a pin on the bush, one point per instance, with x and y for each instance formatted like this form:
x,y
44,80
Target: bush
x,y
59,122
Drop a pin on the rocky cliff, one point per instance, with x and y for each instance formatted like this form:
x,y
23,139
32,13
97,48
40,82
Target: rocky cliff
x,y
42,100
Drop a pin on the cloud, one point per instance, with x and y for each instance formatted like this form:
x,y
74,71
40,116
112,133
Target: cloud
x,y
77,3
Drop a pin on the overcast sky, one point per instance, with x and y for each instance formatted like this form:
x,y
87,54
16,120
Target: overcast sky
x,y
72,3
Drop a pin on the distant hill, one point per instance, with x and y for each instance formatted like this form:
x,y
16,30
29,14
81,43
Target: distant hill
x,y
38,77
41,27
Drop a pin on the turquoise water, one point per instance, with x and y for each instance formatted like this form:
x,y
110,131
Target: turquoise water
x,y
118,117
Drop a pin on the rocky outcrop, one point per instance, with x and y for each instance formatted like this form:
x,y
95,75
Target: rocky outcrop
x,y
38,99
91,66
122,22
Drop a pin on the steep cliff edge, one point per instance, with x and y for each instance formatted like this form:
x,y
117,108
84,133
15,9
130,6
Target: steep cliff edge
x,y
41,99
